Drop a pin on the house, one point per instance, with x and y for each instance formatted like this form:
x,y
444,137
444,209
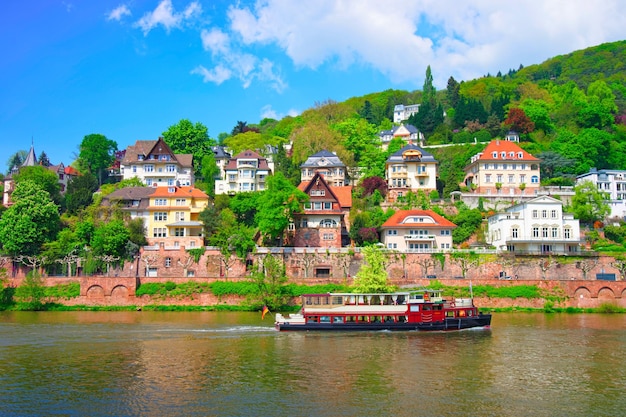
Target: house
x,y
154,163
408,133
170,214
402,112
410,169
63,173
174,217
246,171
221,158
132,200
324,219
417,231
326,163
503,168
536,226
613,183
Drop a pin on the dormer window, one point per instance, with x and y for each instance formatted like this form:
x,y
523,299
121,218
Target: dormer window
x,y
503,155
171,189
494,154
140,157
511,154
520,154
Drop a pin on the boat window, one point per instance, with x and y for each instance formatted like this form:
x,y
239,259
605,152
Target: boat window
x,y
469,312
427,307
402,319
414,308
462,313
389,319
312,319
337,319
324,319
336,300
401,299
449,313
363,318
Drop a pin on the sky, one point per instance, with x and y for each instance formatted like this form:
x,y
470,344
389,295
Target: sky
x,y
130,69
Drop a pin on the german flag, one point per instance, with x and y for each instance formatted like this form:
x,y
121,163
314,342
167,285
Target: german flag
x,y
264,312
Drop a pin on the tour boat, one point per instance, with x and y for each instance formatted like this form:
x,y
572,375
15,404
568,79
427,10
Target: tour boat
x,y
424,309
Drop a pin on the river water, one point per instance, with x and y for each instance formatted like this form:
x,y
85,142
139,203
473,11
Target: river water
x,y
234,364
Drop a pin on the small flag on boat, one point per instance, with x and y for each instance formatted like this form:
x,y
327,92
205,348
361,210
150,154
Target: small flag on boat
x,y
264,312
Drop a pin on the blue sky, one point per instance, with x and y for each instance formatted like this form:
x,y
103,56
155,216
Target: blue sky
x,y
130,69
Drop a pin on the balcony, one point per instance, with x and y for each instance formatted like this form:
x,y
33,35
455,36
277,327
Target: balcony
x,y
398,175
420,237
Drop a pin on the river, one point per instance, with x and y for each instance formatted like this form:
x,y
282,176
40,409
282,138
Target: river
x,y
235,364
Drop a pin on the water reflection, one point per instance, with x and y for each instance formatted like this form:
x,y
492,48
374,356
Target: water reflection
x,y
170,364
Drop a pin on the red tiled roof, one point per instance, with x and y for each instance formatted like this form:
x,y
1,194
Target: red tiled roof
x,y
71,171
398,218
500,146
178,192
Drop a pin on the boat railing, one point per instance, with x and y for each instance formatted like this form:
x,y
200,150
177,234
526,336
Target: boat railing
x,y
463,302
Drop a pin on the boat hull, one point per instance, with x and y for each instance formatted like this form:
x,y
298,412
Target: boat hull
x,y
449,324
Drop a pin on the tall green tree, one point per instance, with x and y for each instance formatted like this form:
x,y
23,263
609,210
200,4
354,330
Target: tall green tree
x,y
210,172
186,137
16,160
111,239
80,191
96,155
277,205
31,221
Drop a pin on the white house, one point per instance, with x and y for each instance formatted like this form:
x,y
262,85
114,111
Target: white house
x,y
246,171
613,183
402,112
535,226
410,169
417,231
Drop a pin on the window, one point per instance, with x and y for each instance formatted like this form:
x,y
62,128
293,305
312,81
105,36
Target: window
x,y
392,232
134,168
328,223
494,154
515,232
534,179
488,178
445,233
171,190
160,216
168,262
544,232
181,201
553,214
520,155
179,231
180,216
392,246
171,181
159,232
535,214
149,182
555,232
148,168
522,178
328,236
318,193
304,222
160,202
544,214
535,231
170,168
567,233
511,178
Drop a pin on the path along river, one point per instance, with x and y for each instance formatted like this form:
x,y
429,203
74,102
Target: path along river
x,y
234,364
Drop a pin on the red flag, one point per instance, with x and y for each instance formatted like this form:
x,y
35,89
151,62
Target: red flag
x,y
264,312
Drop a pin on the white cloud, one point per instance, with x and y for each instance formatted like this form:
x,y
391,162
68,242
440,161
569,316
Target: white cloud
x,y
268,112
235,63
119,12
399,39
165,16
217,75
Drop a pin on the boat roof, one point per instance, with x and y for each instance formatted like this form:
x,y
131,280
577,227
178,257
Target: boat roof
x,y
345,294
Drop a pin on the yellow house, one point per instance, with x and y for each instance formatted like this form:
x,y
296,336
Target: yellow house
x,y
173,217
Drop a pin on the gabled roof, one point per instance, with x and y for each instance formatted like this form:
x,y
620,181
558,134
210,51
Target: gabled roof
x,y
343,195
247,154
159,147
500,146
397,220
412,130
399,156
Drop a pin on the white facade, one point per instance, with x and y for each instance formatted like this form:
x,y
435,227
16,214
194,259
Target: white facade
x,y
535,226
402,112
245,172
611,182
410,169
419,231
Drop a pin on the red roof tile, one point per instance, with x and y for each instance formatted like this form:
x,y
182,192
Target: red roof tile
x,y
398,218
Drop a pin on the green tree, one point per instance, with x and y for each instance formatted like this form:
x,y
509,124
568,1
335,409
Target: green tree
x,y
277,205
589,204
186,137
111,239
96,155
270,276
30,222
232,239
210,172
372,275
42,176
80,191
240,142
16,160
